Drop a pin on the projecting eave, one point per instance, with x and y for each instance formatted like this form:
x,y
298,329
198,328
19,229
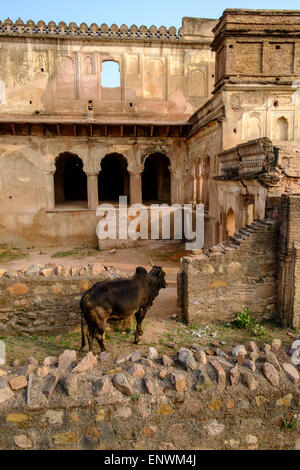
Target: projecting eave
x,y
45,125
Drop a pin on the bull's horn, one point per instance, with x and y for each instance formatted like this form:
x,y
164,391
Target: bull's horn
x,y
150,261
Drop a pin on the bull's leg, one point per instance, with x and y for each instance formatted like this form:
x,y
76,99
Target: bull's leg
x,y
139,316
90,336
100,321
100,337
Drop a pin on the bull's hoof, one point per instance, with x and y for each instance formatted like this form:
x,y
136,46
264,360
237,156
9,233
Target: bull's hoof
x,y
136,341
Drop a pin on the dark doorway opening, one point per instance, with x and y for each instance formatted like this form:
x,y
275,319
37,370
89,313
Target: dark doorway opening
x,y
156,179
70,181
113,179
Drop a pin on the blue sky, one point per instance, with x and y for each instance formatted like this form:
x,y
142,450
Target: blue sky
x,y
157,12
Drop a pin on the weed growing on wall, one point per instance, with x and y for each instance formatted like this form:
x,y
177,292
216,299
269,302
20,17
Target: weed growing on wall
x,y
245,321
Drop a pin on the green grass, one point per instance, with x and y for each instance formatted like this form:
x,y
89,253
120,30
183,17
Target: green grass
x,y
289,423
135,397
10,254
83,250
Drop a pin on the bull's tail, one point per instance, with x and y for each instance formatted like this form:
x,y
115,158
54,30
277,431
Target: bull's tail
x,y
82,308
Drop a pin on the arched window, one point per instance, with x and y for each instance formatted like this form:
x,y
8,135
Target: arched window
x,y
70,181
230,223
113,179
282,128
110,80
156,179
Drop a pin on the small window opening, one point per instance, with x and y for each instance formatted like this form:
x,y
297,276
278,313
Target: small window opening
x,y
90,105
110,75
276,103
277,47
42,70
110,81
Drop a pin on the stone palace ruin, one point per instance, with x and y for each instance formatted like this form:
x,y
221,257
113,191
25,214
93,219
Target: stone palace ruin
x,y
206,114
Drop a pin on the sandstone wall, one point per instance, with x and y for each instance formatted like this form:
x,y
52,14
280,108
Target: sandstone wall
x,y
46,299
50,68
27,186
235,274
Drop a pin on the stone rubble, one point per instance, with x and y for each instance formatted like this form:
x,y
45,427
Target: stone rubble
x,y
86,363
167,381
152,354
186,358
291,372
271,374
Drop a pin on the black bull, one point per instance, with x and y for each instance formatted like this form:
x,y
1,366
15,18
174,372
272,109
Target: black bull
x,y
116,300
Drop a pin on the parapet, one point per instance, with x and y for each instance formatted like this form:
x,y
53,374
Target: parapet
x,y
192,28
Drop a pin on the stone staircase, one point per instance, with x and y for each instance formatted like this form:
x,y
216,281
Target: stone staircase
x,y
235,241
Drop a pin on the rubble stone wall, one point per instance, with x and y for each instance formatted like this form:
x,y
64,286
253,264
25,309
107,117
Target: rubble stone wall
x,y
46,299
192,399
238,273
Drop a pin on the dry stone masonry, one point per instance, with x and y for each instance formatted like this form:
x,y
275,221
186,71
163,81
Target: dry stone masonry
x,y
238,273
196,398
43,299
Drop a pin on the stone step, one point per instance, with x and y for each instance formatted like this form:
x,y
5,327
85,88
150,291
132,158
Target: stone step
x,y
245,232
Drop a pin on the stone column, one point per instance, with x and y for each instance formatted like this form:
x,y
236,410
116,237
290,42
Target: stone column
x,y
175,187
198,182
194,184
92,185
50,193
135,187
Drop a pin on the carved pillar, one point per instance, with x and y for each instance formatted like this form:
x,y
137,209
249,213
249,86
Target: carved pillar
x,y
176,182
135,187
198,182
50,192
92,186
193,184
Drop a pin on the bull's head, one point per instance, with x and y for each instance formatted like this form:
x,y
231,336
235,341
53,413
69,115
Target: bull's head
x,y
158,274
